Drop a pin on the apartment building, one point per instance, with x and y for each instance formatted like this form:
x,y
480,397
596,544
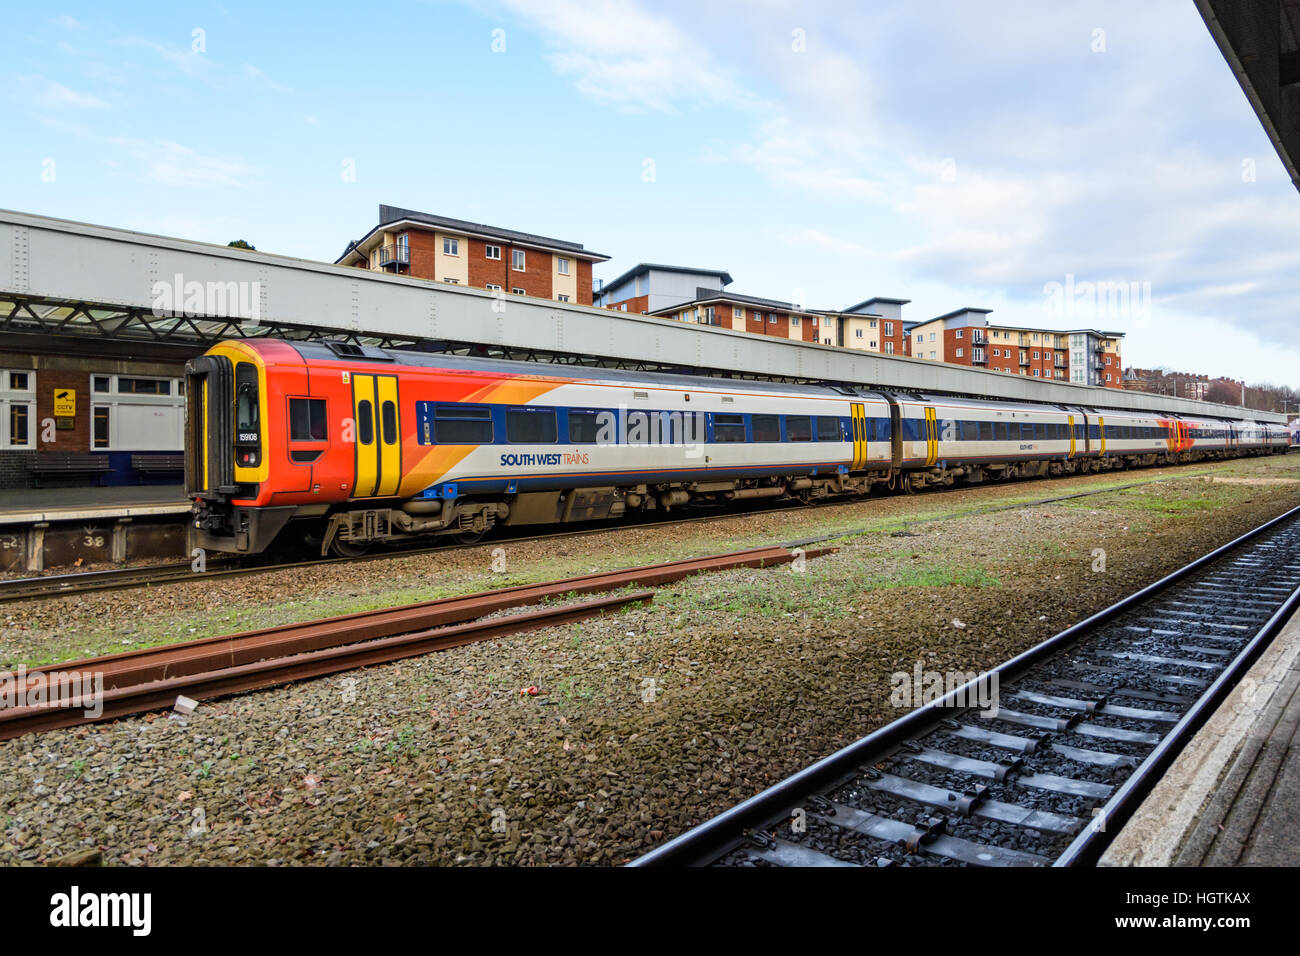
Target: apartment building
x,y
873,325
649,287
966,337
746,313
424,246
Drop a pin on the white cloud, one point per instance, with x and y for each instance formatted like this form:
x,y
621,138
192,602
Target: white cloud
x,y
51,95
620,55
172,164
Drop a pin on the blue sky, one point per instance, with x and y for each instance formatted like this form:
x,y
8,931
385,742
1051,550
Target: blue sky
x,y
953,154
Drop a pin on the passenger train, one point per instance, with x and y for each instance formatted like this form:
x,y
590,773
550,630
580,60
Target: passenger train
x,y
350,446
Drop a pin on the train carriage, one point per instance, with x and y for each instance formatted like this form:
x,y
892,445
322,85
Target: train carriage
x,y
353,446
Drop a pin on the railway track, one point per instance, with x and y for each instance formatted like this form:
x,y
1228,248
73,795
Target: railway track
x,y
152,678
1086,722
113,579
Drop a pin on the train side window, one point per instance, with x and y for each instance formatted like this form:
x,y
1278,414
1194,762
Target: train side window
x,y
388,416
584,425
766,428
365,422
462,425
687,427
798,428
986,431
530,426
307,419
728,428
828,428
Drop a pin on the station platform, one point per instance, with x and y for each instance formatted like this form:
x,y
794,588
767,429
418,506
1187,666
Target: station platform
x,y
24,506
1232,796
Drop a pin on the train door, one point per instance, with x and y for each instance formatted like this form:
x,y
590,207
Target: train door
x,y
1070,419
931,437
1101,435
859,419
378,435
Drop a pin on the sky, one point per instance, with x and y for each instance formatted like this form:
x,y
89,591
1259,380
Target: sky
x,y
1014,156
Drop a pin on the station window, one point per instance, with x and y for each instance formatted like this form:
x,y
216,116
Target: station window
x,y
143,386
99,427
101,383
728,428
530,426
307,419
20,382
766,428
20,425
462,425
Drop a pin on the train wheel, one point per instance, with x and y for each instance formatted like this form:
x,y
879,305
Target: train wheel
x,y
347,549
468,537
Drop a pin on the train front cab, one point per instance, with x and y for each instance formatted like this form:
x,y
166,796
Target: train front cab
x,y
226,462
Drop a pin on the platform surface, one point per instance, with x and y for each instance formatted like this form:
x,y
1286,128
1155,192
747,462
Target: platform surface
x,y
1233,795
28,505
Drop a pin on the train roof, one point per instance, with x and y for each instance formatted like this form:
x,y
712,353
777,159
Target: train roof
x,y
340,351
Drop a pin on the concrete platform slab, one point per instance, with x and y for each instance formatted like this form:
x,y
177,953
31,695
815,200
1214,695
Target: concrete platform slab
x,y
30,505
1232,797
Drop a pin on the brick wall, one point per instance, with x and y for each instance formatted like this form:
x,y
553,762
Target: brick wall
x,y
637,303
584,283
484,271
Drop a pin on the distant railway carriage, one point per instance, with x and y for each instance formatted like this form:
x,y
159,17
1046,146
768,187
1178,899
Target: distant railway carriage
x,y
353,446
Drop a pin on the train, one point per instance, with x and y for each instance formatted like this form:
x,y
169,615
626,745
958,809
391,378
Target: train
x,y
348,447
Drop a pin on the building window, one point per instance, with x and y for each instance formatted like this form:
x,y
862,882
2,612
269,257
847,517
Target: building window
x,y
1036,375
99,436
857,333
450,246
889,328
20,382
872,322
451,281
562,266
518,291
517,260
961,352
873,343
959,332
771,318
492,252
491,287
143,386
737,312
889,348
826,341
562,298
100,383
794,321
931,336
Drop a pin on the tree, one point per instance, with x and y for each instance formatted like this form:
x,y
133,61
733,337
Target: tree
x,y
242,244
1225,393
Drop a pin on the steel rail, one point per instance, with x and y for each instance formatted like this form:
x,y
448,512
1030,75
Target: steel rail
x,y
83,582
713,838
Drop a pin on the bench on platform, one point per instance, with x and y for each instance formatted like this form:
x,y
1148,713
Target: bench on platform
x,y
65,464
157,464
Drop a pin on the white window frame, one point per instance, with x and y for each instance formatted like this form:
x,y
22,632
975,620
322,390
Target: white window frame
x,y
517,291
561,297
24,397
451,246
562,265
115,398
518,261
489,249
492,287
889,328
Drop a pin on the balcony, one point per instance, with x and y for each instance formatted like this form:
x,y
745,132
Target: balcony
x,y
978,356
977,337
1024,361
395,256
